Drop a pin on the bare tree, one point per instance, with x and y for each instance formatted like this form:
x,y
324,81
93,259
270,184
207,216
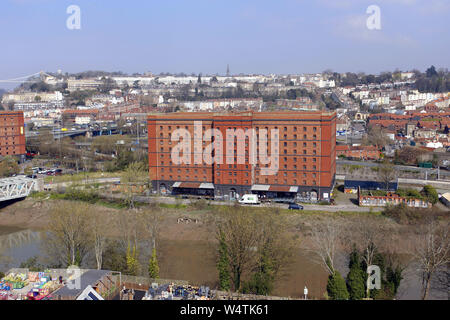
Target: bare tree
x,y
151,222
387,173
431,252
134,176
99,236
441,281
376,136
131,229
326,238
254,241
238,230
67,239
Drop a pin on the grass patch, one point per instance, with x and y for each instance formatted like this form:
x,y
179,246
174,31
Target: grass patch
x,y
83,196
172,206
80,177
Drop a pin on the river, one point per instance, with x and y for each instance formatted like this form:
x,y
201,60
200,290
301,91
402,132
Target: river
x,y
194,261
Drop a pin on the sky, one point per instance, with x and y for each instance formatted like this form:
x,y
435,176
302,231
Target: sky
x,y
203,36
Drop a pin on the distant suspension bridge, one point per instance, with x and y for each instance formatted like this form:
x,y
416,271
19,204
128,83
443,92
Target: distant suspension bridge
x,y
28,78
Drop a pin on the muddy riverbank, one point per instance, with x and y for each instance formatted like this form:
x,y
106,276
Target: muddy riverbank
x,y
187,251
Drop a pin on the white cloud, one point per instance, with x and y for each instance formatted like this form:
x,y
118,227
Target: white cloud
x,y
354,27
424,7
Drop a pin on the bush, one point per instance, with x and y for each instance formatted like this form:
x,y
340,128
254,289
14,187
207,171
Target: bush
x,y
79,195
32,264
401,213
200,204
260,284
405,215
410,193
430,194
414,194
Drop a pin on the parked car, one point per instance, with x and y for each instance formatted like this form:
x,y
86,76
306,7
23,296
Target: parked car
x,y
295,206
36,169
54,172
32,176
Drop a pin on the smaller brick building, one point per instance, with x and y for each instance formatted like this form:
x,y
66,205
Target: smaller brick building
x,y
12,133
390,199
358,152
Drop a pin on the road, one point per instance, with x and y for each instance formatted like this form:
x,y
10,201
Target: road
x,y
309,207
441,186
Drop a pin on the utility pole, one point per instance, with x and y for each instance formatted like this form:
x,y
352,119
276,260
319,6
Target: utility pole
x,y
60,151
438,171
138,144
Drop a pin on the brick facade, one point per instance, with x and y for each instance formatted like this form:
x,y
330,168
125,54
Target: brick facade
x,y
12,133
304,149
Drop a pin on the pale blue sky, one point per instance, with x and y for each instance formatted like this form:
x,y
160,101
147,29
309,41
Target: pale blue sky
x,y
254,36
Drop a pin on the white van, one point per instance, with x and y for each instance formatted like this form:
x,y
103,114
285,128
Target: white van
x,y
249,199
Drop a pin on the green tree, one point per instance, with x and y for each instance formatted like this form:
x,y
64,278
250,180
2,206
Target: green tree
x,y
336,287
124,158
28,170
430,193
223,265
431,72
115,257
8,167
262,281
355,283
32,264
356,278
255,243
394,277
132,261
153,268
